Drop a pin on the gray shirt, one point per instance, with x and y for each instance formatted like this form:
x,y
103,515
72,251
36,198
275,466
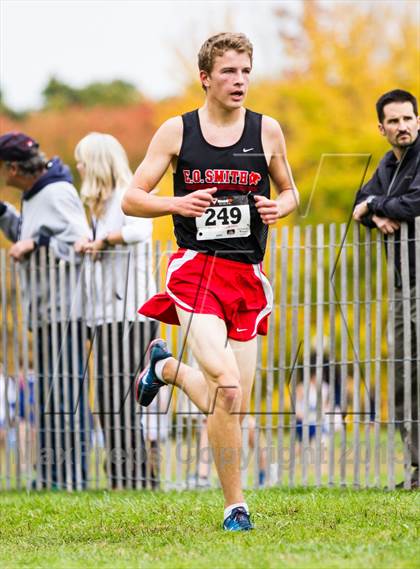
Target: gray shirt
x,y
54,213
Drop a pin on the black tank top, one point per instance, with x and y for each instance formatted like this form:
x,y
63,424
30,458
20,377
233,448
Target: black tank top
x,y
239,172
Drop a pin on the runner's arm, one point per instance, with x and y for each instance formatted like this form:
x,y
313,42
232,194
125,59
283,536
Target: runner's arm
x,y
288,196
139,202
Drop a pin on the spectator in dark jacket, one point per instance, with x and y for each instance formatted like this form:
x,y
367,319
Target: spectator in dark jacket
x,y
392,196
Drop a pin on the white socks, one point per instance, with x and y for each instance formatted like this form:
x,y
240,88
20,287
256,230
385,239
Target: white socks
x,y
159,368
229,509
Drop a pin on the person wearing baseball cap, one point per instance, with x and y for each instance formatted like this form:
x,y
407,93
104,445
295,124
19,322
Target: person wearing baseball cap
x,y
17,146
51,216
25,167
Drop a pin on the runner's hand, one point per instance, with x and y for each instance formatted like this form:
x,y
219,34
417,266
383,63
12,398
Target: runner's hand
x,y
269,210
195,203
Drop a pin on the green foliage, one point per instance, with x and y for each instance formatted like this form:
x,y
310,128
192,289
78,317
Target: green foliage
x,y
295,528
59,95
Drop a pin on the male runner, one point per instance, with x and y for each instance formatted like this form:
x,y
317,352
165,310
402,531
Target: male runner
x,y
222,156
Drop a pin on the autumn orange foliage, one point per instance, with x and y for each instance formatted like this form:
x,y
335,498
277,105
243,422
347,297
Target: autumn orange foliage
x,y
339,58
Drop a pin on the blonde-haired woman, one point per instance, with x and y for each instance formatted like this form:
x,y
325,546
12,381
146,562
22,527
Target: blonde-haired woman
x,y
119,279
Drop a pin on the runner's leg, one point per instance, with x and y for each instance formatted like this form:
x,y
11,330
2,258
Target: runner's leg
x,y
190,380
206,336
246,358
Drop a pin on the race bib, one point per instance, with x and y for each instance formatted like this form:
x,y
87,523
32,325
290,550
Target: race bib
x,y
228,217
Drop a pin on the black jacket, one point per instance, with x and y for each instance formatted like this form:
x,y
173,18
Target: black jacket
x,y
399,201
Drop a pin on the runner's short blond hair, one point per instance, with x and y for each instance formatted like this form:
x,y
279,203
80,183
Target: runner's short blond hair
x,y
217,45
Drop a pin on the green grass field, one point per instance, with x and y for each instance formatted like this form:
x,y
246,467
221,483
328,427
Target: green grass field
x,y
295,528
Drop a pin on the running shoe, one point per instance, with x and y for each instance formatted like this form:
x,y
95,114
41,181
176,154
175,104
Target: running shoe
x,y
238,520
147,383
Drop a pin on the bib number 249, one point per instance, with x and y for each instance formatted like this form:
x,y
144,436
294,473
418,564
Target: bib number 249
x,y
226,218
223,216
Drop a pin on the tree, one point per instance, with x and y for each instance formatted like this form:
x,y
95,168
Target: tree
x,y
340,57
59,95
115,93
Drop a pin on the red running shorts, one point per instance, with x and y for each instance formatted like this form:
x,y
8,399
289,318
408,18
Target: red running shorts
x,y
238,293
